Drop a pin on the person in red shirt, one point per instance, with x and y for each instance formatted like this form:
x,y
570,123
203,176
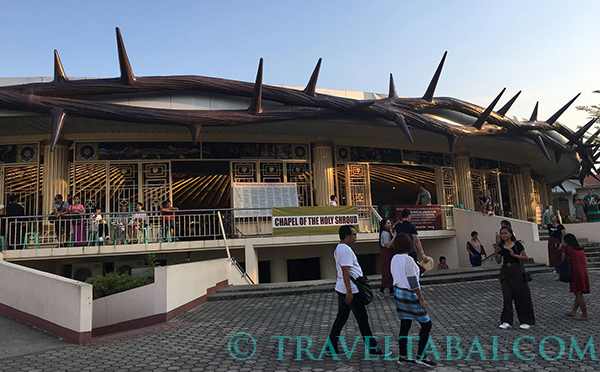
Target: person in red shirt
x,y
442,265
168,216
580,280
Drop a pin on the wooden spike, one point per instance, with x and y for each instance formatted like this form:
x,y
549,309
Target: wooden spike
x,y
555,117
557,156
596,156
593,137
508,104
392,92
257,95
195,131
59,72
311,87
127,76
535,112
58,120
483,117
580,132
540,143
399,120
452,142
562,188
428,96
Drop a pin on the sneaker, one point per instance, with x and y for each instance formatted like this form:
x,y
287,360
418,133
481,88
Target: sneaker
x,y
505,325
404,361
100,239
378,351
524,326
426,363
379,295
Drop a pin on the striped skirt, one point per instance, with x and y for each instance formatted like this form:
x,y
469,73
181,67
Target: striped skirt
x,y
408,307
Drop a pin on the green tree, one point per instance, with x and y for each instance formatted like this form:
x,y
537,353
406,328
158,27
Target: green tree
x,y
593,112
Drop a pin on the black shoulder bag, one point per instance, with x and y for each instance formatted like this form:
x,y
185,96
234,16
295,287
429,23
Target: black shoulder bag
x,y
364,289
526,275
565,275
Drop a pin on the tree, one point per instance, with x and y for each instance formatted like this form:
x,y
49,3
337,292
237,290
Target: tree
x,y
594,112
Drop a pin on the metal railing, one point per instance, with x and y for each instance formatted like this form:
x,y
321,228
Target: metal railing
x,y
92,229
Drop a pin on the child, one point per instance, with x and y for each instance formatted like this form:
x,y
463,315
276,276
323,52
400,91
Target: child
x,y
442,265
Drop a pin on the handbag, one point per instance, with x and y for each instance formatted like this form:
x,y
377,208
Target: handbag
x,y
526,275
364,289
565,268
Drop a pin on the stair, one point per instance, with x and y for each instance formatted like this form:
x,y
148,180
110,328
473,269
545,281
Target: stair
x,y
592,252
327,285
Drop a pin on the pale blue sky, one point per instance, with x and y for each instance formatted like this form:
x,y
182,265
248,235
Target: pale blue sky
x,y
548,49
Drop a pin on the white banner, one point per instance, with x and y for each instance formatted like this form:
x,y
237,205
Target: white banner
x,y
313,221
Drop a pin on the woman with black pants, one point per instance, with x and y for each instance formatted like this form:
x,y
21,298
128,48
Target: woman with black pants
x,y
512,279
410,303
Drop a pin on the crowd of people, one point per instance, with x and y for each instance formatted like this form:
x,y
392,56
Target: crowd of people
x,y
401,271
76,226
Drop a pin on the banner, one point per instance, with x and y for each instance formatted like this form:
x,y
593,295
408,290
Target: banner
x,y
293,221
424,217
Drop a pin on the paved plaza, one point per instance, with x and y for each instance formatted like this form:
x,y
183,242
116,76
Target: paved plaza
x,y
468,311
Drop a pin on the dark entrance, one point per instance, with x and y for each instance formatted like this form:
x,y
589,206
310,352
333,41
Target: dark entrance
x,y
304,269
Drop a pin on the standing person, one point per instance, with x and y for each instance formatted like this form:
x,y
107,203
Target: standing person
x,y
405,226
348,268
120,223
489,203
410,303
16,226
334,201
77,222
556,232
514,286
483,202
580,280
424,197
475,249
138,220
503,223
168,220
387,235
61,223
579,206
591,200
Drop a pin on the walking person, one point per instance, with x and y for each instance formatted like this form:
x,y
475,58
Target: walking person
x,y
349,299
387,236
475,249
410,303
591,200
405,226
580,280
514,286
579,206
556,232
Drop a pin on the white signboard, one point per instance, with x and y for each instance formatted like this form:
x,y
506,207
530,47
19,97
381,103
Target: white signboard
x,y
263,195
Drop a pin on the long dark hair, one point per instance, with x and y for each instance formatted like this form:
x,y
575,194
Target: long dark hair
x,y
382,228
512,235
571,241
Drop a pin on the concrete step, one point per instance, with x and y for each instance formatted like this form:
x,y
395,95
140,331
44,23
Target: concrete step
x,y
327,285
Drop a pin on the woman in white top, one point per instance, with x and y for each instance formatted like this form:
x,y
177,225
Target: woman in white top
x,y
410,303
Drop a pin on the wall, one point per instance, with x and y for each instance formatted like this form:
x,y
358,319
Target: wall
x,y
57,305
590,230
176,289
465,222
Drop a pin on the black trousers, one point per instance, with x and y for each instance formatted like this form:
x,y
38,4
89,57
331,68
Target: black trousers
x,y
515,289
362,318
405,325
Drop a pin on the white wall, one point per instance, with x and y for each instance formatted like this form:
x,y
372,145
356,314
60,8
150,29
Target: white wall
x,y
465,222
173,286
590,230
52,298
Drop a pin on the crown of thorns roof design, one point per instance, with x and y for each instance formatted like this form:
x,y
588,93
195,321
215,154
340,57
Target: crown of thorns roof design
x,y
63,97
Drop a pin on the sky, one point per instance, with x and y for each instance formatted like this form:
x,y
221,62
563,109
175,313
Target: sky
x,y
548,49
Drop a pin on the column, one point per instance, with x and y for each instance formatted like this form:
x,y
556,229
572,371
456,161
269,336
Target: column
x,y
528,195
251,262
439,186
544,196
323,181
56,174
463,180
520,197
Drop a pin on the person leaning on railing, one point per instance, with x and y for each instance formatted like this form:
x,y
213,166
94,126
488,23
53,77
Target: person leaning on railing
x,y
16,225
61,224
168,217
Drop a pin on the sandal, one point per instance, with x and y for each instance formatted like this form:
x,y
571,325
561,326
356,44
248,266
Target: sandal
x,y
582,318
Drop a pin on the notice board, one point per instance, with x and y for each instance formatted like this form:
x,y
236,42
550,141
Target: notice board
x,y
263,195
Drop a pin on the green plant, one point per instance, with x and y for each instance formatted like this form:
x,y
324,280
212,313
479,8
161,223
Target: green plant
x,y
112,283
151,263
569,219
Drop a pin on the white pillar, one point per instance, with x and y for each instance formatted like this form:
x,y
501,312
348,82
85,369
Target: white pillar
x,y
463,181
323,181
251,261
56,174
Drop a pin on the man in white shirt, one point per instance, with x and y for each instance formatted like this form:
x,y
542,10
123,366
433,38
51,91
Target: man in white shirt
x,y
347,266
333,202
